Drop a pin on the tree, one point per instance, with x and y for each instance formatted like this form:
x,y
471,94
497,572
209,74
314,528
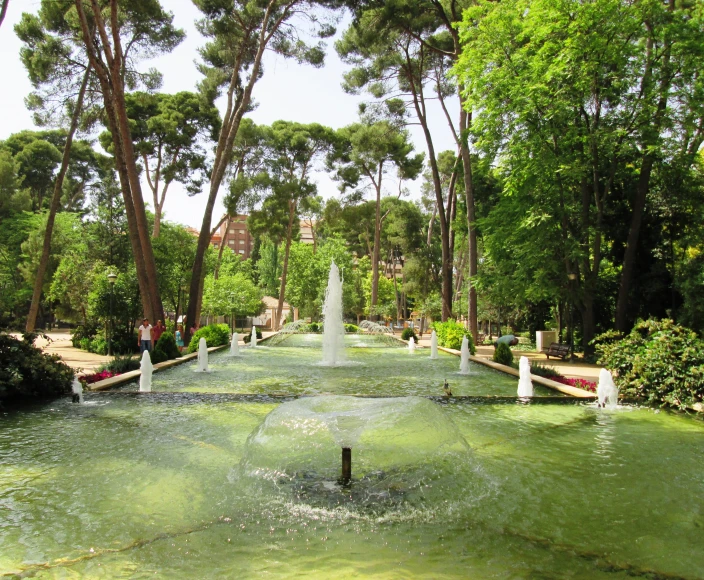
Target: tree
x,y
167,131
365,153
239,33
231,294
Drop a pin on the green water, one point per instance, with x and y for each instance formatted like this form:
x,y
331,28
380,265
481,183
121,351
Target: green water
x,y
293,367
133,488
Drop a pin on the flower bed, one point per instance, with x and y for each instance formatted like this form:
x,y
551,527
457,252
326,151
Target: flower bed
x,y
95,377
579,383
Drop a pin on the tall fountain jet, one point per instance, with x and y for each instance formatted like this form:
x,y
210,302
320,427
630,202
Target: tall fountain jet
x,y
464,356
235,347
333,328
525,384
202,356
253,339
606,391
145,379
411,345
434,345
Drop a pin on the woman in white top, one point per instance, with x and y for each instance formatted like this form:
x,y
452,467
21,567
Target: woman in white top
x,y
145,336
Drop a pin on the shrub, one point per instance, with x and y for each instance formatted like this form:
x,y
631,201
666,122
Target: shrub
x,y
98,346
543,370
351,328
84,344
167,344
214,335
121,364
248,336
158,355
408,333
450,335
124,340
503,354
315,327
659,360
27,373
98,376
88,330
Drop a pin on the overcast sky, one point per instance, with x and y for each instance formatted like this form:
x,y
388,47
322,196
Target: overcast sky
x,y
287,91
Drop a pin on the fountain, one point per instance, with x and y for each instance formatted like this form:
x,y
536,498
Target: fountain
x,y
234,346
606,391
464,356
77,390
202,356
253,339
333,327
146,367
525,385
434,345
411,345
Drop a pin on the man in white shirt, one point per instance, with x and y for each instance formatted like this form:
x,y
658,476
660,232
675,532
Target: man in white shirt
x,y
145,336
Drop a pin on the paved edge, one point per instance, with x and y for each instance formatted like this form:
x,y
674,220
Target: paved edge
x,y
131,375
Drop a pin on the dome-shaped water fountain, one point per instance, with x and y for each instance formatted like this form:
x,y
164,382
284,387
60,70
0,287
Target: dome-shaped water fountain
x,y
147,368
606,391
333,327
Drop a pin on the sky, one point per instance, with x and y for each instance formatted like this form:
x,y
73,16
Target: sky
x,y
287,91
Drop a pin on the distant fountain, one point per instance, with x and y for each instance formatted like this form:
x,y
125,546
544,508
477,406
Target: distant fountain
x,y
234,346
525,385
253,339
77,390
202,356
333,328
145,379
434,345
464,356
606,391
411,345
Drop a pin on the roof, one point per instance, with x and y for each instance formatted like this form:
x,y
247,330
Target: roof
x,y
271,302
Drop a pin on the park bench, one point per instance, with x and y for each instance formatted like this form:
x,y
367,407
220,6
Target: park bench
x,y
557,350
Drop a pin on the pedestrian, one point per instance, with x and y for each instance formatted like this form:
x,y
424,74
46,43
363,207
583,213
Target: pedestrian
x,y
158,331
179,337
145,336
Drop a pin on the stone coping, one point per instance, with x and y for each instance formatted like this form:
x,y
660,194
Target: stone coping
x,y
572,391
131,375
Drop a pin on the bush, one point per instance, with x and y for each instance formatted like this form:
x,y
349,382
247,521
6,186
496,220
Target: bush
x,y
26,373
315,327
248,336
167,343
659,361
214,335
124,341
121,364
503,354
98,346
450,335
157,355
351,328
84,343
88,330
408,333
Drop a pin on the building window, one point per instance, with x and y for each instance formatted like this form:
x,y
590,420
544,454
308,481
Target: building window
x,y
215,245
241,241
232,242
241,251
232,230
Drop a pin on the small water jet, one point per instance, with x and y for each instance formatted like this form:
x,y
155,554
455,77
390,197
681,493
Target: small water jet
x,y
525,384
606,391
77,390
234,345
464,356
433,345
202,356
333,327
411,345
253,339
147,368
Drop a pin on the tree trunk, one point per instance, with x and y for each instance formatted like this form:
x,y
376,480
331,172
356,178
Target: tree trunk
x,y
54,207
471,230
284,272
222,247
376,252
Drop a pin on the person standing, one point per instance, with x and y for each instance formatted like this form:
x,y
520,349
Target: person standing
x,y
145,336
158,331
179,337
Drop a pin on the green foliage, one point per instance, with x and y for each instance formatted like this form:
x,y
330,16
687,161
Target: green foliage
x,y
214,335
82,331
234,294
27,374
351,328
248,336
451,333
167,345
503,354
659,361
408,333
121,364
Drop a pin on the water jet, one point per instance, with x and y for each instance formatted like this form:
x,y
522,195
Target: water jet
x,y
146,368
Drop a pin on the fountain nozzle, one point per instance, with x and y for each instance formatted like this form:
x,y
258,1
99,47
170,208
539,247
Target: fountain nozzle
x,y
446,388
346,466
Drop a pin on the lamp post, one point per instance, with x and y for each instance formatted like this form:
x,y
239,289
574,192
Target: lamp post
x,y
111,279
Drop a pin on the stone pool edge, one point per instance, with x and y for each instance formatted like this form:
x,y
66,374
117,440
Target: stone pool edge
x,y
131,375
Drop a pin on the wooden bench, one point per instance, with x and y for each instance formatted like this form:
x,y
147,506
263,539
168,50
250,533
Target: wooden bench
x,y
557,350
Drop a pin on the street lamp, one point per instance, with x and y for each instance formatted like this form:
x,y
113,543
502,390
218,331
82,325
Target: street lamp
x,y
572,277
111,280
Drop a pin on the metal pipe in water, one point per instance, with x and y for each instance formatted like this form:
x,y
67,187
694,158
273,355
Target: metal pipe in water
x,y
346,465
